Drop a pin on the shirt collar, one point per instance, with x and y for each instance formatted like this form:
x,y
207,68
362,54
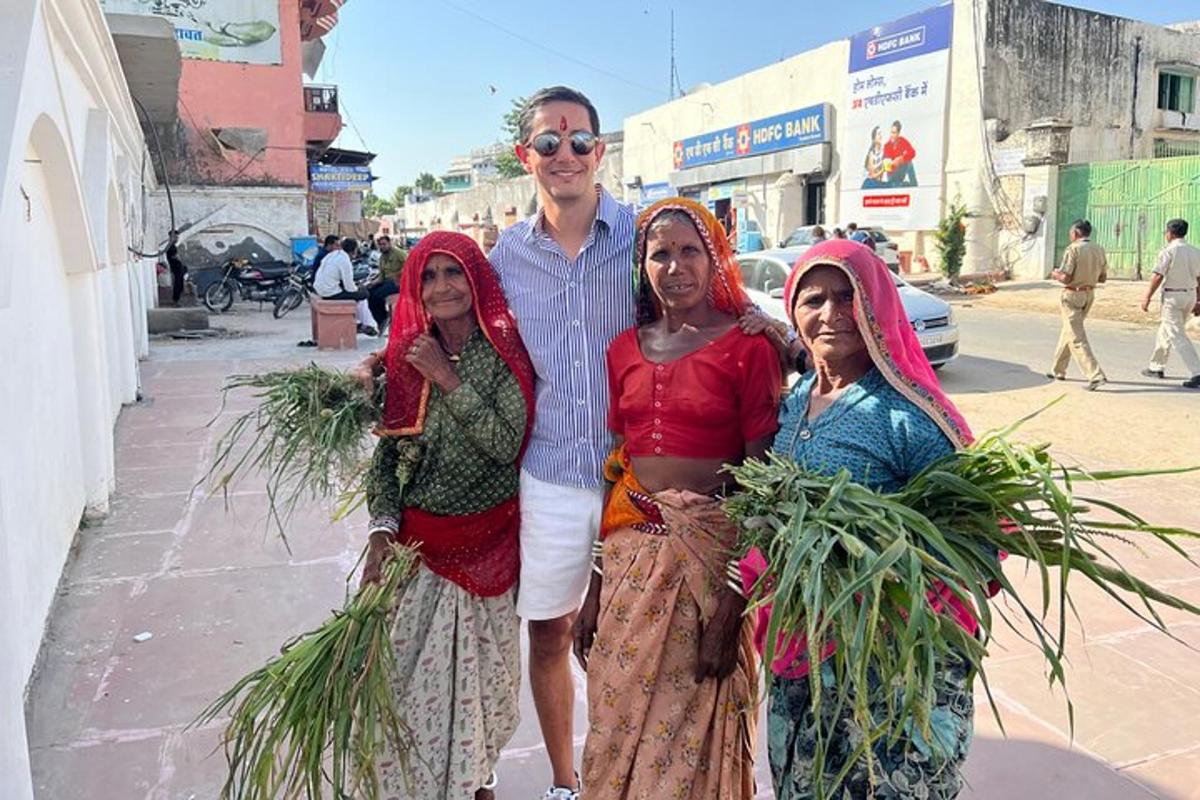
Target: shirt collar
x,y
607,210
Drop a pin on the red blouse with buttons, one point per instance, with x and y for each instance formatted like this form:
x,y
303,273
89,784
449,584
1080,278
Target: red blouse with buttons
x,y
706,404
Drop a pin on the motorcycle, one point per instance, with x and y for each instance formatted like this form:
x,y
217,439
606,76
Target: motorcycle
x,y
299,286
263,282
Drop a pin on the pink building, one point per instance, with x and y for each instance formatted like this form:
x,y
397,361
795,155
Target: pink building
x,y
237,151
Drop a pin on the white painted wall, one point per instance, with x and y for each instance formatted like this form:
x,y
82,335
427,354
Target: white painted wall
x,y
218,217
72,313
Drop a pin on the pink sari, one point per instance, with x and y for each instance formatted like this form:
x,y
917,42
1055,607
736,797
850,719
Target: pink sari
x,y
898,356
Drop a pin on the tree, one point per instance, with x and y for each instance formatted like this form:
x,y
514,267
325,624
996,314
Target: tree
x,y
512,120
400,195
375,206
952,240
509,166
427,182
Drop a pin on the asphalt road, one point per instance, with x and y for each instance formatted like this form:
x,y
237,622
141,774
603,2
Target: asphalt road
x,y
1004,350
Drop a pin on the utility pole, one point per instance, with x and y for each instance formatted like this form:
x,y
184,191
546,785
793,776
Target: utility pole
x,y
671,89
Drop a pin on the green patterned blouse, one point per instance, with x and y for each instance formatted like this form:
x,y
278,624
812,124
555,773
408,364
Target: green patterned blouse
x,y
465,460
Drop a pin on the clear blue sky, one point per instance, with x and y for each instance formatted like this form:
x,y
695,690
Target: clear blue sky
x,y
417,80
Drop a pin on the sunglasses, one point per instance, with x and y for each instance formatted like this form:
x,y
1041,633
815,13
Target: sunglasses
x,y
547,144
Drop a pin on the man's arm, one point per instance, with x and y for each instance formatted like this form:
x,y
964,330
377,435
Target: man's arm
x,y
1155,281
346,270
1067,268
1161,268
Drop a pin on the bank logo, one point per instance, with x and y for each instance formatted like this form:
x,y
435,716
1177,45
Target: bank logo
x,y
743,140
677,155
896,42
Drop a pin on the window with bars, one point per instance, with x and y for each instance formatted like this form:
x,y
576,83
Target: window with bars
x,y
321,99
1176,92
1172,148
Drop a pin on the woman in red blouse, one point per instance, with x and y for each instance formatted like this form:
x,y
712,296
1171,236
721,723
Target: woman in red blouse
x,y
670,660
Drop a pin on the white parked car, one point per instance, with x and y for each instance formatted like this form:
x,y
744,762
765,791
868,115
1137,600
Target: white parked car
x,y
932,318
888,250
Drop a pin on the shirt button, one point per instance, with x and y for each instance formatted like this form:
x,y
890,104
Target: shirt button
x,y
658,386
657,421
575,322
657,404
582,401
658,450
571,284
578,364
659,368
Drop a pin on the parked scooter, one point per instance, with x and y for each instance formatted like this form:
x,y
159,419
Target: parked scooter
x,y
261,282
299,286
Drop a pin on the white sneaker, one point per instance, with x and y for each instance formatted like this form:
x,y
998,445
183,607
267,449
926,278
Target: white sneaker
x,y
562,792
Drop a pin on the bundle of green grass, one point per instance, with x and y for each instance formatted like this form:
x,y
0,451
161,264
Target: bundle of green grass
x,y
306,435
850,568
313,721
317,717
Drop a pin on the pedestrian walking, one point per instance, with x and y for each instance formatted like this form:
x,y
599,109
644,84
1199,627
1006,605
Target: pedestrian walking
x,y
178,270
1084,266
1177,273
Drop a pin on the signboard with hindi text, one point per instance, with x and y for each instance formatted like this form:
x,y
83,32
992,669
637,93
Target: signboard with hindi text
x,y
797,128
892,140
240,31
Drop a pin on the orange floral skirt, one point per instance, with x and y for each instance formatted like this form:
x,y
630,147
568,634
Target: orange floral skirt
x,y
654,732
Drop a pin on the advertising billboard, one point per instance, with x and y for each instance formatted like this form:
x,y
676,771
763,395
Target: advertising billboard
x,y
241,31
893,129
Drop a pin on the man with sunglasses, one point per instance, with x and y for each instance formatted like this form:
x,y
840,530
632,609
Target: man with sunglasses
x,y
565,272
566,276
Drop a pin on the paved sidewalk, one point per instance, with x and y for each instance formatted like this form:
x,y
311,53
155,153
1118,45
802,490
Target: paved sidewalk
x,y
107,716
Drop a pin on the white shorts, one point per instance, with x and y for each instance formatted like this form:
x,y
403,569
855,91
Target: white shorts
x,y
558,526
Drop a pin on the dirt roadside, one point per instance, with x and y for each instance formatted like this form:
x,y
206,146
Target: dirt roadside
x,y
1118,301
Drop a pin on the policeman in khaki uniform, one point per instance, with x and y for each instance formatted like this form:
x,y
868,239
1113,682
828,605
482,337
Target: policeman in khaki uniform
x,y
1178,273
1084,265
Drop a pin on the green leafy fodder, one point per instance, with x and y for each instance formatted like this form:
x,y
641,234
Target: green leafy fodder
x,y
318,716
851,567
307,433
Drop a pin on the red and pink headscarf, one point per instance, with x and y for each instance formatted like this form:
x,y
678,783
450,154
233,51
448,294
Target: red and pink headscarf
x,y
407,389
885,328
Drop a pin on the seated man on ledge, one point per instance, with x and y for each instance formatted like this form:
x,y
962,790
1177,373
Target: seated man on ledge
x,y
335,281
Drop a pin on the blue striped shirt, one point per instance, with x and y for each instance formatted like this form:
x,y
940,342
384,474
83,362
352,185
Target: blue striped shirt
x,y
567,314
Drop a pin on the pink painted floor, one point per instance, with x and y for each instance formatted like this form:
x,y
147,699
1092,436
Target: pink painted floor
x,y
108,717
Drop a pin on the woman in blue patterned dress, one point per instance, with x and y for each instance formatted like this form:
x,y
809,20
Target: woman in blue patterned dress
x,y
870,405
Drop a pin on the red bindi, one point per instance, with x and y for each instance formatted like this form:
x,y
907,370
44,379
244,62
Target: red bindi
x,y
562,124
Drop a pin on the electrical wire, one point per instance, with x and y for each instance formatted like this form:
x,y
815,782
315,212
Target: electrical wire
x,y
539,45
162,163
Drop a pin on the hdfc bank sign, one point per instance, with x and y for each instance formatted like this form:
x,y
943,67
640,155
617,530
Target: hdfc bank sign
x,y
895,42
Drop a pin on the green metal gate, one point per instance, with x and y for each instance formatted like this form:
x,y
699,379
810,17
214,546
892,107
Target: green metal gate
x,y
1128,204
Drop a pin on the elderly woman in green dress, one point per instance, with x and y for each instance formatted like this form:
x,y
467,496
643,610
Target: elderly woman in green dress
x,y
444,477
